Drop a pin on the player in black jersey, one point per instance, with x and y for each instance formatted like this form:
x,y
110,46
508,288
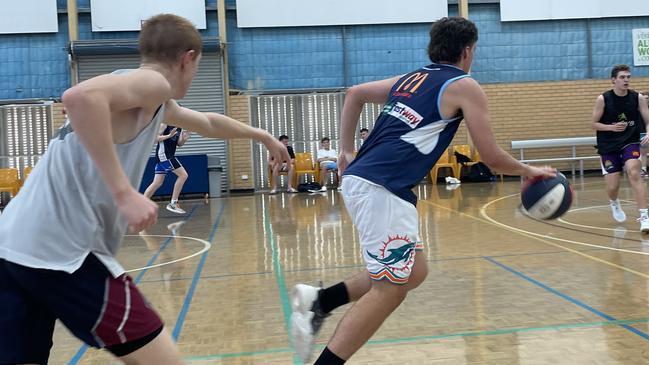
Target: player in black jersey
x,y
616,119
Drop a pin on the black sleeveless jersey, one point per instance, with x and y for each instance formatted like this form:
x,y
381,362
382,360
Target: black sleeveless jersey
x,y
619,109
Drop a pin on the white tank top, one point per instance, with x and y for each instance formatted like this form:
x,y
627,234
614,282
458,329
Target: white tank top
x,y
65,212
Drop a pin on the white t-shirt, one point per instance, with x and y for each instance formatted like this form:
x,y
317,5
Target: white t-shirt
x,y
322,153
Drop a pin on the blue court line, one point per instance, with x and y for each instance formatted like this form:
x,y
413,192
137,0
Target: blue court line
x,y
567,297
197,276
82,350
281,284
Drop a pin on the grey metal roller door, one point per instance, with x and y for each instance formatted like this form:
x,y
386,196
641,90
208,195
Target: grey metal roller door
x,y
205,94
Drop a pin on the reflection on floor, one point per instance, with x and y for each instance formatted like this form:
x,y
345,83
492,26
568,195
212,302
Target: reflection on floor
x,y
502,288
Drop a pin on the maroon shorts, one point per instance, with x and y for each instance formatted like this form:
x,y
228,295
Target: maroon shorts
x,y
100,310
614,161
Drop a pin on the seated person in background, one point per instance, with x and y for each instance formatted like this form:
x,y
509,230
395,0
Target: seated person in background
x,y
286,166
327,158
364,132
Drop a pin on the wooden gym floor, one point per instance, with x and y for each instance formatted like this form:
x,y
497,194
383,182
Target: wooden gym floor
x,y
502,288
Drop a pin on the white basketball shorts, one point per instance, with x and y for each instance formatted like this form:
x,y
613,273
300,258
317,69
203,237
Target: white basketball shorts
x,y
388,227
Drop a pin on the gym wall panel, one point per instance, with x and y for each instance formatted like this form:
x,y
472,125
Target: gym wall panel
x,y
284,58
34,65
296,13
29,16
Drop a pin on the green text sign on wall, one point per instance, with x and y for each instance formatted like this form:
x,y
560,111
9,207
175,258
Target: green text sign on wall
x,y
641,47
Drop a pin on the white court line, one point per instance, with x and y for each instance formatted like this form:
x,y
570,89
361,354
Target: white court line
x,y
206,247
483,213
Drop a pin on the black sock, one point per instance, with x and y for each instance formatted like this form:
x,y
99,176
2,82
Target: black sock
x,y
328,358
333,297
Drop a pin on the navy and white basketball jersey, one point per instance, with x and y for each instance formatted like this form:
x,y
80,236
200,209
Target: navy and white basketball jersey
x,y
410,134
166,149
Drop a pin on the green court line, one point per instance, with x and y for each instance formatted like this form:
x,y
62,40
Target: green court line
x,y
433,337
281,284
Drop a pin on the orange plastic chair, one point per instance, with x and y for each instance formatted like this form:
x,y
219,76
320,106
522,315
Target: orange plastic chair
x,y
26,171
304,165
447,160
9,181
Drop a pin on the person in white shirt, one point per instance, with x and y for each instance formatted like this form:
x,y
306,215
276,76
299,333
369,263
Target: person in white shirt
x,y
327,159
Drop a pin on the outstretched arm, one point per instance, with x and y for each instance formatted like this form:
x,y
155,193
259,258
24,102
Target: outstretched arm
x,y
220,126
468,96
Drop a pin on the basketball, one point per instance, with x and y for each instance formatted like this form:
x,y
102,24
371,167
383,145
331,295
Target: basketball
x,y
548,198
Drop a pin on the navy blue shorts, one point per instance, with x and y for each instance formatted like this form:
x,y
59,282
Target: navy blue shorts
x,y
165,167
101,310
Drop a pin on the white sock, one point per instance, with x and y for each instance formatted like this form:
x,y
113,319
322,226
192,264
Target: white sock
x,y
615,202
643,213
174,201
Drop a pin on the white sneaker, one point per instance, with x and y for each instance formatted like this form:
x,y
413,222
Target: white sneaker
x,y
323,189
306,320
173,207
618,213
644,224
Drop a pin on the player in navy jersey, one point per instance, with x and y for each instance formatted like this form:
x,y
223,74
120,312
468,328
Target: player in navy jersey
x,y
165,153
422,111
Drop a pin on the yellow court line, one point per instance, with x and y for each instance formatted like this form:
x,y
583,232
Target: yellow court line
x,y
533,235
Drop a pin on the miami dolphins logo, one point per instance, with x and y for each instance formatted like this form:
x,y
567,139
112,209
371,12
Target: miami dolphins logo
x,y
397,253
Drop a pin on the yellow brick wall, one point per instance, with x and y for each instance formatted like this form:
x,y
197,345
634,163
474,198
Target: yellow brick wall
x,y
533,110
240,150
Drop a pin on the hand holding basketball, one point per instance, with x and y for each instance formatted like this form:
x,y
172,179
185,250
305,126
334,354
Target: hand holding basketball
x,y
547,197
